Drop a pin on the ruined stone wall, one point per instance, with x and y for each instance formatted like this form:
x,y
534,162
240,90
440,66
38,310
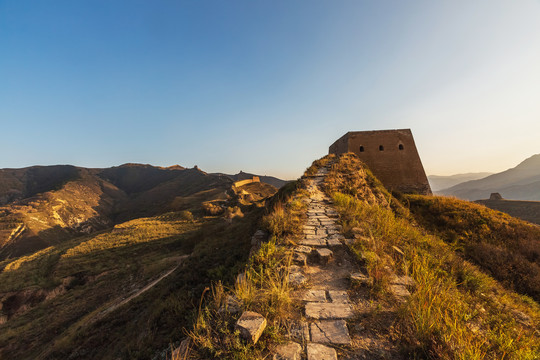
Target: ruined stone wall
x,y
391,155
247,181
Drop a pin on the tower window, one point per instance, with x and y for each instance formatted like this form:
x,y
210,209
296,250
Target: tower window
x,y
400,146
361,149
381,148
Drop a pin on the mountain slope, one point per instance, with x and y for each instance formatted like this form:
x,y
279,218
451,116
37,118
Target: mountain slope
x,y
16,184
519,183
47,205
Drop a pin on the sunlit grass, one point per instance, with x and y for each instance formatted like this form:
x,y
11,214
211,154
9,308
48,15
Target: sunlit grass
x,y
16,264
456,311
130,233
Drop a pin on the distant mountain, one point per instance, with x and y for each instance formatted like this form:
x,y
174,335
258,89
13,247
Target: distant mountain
x,y
275,182
519,183
438,182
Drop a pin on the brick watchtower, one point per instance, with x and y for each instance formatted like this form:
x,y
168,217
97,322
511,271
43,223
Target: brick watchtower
x,y
391,155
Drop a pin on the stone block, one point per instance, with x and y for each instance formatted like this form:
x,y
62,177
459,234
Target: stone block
x,y
323,256
251,326
314,296
330,332
320,352
289,351
333,242
313,242
303,249
329,311
339,296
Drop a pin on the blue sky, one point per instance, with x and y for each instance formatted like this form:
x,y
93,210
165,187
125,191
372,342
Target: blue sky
x,y
266,86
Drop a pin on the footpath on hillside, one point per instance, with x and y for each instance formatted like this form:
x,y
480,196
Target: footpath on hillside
x,y
339,319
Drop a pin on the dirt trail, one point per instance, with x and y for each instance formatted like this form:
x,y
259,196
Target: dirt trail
x,y
143,290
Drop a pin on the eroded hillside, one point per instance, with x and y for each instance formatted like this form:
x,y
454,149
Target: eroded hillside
x,y
126,291
43,206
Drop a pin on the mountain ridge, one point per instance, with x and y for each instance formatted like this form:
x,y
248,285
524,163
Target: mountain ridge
x,y
42,205
521,182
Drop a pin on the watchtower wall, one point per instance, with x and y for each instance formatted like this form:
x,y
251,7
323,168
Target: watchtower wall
x,y
390,154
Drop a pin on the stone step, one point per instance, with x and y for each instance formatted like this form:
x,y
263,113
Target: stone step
x,y
312,242
326,311
339,296
289,351
333,332
314,296
320,352
322,255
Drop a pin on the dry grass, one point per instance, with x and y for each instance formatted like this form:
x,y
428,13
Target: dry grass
x,y
262,287
456,310
505,247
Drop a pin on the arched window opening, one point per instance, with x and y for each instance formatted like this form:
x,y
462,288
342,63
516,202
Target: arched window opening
x,y
381,148
361,149
400,146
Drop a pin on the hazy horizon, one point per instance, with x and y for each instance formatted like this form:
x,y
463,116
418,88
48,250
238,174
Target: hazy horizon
x,y
266,87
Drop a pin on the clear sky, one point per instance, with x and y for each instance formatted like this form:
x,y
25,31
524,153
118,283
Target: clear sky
x,y
266,86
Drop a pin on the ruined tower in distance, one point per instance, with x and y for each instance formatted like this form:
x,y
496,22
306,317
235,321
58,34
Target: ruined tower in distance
x,y
390,154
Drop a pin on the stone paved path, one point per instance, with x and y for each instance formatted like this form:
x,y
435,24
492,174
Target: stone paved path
x,y
326,302
322,274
